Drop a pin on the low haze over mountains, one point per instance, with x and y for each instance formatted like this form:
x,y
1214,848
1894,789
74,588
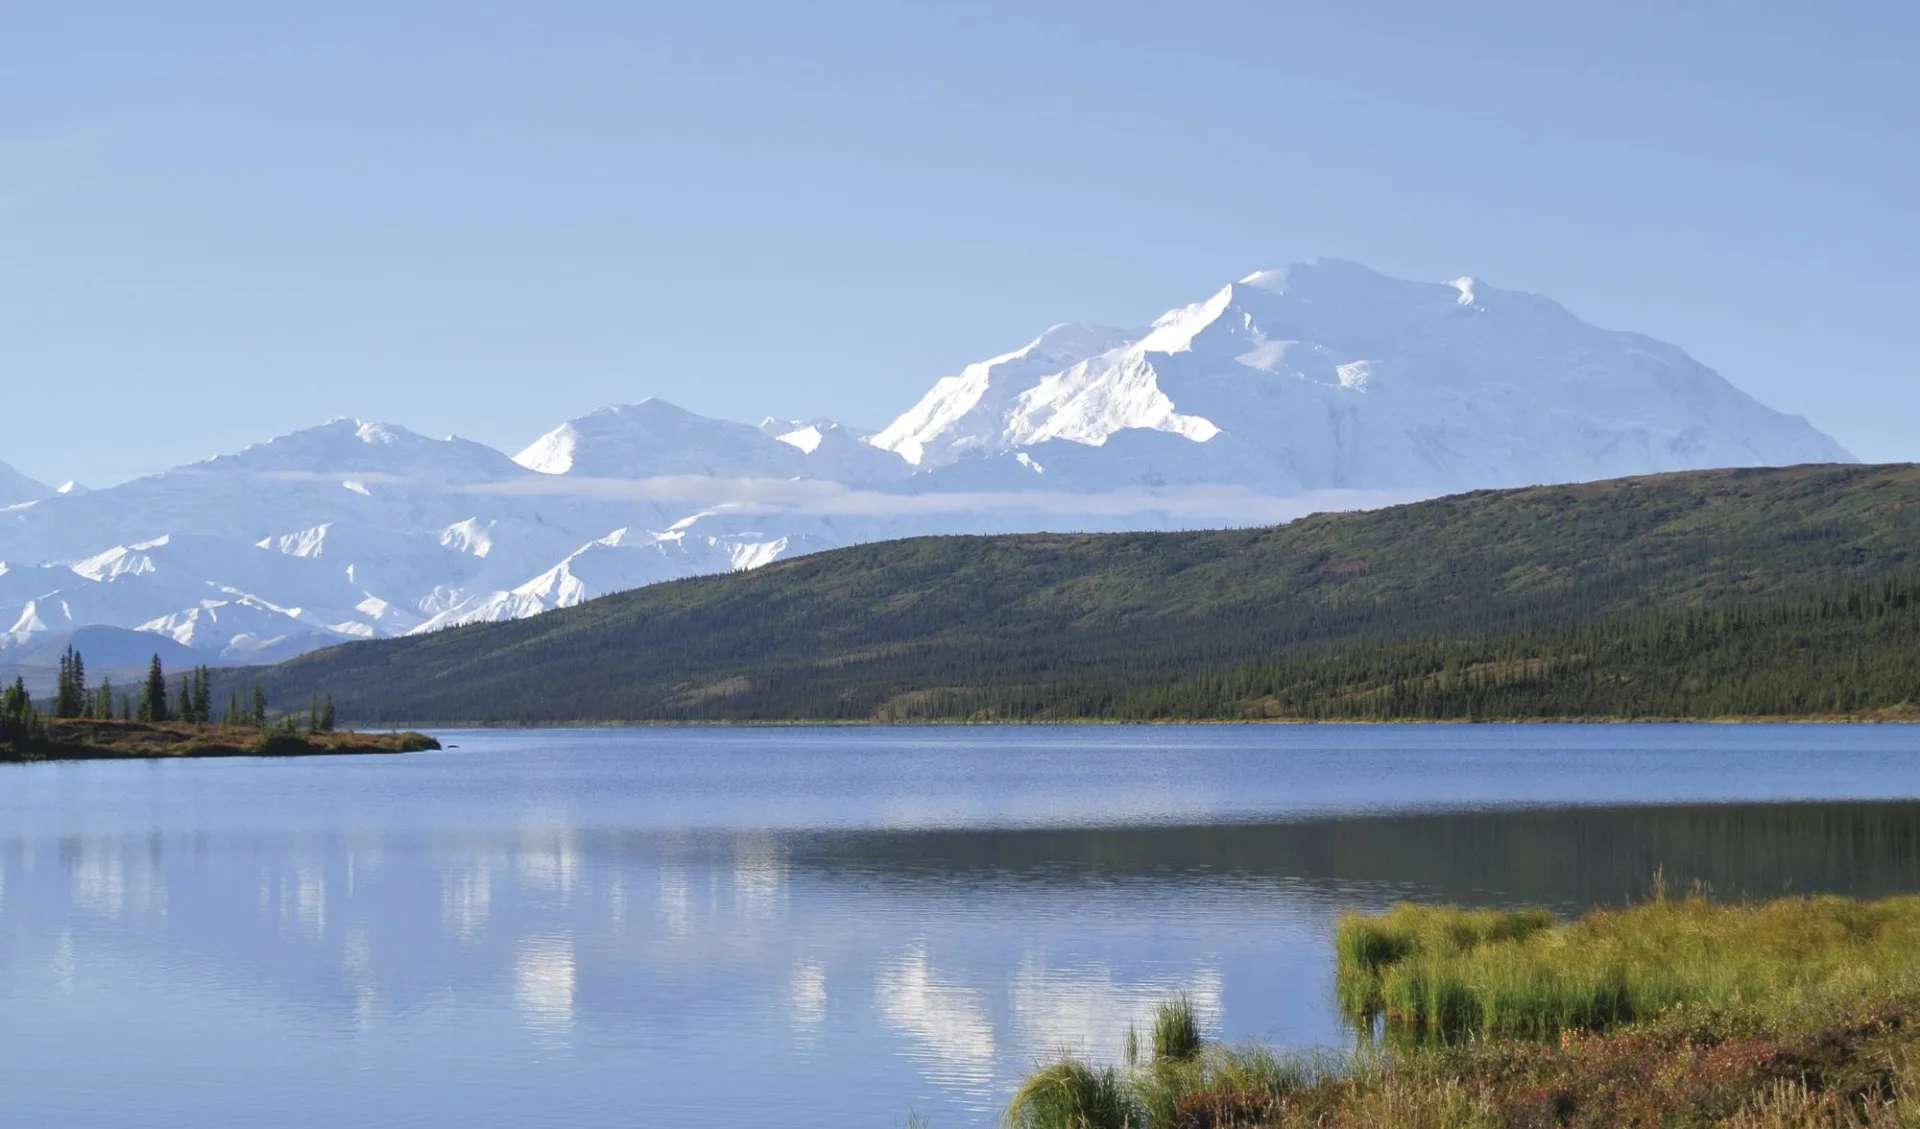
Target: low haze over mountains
x,y
1319,386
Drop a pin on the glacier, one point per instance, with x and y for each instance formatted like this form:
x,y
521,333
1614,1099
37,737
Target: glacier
x,y
1317,386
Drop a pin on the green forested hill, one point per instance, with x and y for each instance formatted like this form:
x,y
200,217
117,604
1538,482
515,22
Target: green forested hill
x,y
1767,591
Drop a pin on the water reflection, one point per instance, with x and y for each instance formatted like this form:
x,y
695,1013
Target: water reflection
x,y
869,970
1568,858
950,1033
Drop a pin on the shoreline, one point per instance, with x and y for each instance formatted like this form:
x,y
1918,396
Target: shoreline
x,y
98,740
1905,717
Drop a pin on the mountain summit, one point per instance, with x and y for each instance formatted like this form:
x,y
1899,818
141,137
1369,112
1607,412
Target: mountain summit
x,y
1330,375
1318,386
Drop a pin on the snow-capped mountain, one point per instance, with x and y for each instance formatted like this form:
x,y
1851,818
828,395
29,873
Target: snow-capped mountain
x,y
1313,387
1330,375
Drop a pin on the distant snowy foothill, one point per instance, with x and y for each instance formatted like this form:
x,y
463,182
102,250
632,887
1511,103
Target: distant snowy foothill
x,y
1318,386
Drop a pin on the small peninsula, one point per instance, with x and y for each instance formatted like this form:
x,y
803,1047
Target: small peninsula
x,y
94,722
135,740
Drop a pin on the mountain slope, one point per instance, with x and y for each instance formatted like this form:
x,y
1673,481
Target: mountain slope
x,y
880,630
16,488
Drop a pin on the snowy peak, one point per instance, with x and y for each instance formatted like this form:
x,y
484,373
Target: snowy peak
x,y
957,416
653,439
373,451
1331,375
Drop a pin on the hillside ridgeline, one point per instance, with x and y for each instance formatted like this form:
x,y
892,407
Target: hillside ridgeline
x,y
1759,593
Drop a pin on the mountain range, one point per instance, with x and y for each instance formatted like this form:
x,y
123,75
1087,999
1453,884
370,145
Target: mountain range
x,y
1317,387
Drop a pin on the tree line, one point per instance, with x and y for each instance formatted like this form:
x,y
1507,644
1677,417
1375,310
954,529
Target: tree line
x,y
1850,650
155,701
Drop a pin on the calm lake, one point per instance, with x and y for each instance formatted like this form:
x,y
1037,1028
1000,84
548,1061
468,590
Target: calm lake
x,y
815,928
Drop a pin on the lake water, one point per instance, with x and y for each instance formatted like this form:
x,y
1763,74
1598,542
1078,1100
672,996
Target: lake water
x,y
814,928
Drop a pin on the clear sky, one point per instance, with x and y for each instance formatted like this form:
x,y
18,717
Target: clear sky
x,y
222,221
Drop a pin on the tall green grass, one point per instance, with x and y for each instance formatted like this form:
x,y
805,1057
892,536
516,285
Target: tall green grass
x,y
1070,1094
1176,1030
1368,946
1791,1015
1440,973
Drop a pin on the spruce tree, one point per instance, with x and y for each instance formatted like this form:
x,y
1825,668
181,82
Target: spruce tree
x,y
19,721
70,689
259,706
183,701
202,691
326,715
153,703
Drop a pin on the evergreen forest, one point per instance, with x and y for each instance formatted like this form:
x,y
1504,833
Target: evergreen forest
x,y
1785,592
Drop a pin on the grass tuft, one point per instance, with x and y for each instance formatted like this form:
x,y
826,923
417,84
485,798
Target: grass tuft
x,y
1176,1030
1070,1094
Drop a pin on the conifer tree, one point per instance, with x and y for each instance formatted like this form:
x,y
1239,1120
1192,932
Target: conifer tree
x,y
70,691
326,715
153,703
19,721
259,706
183,701
202,691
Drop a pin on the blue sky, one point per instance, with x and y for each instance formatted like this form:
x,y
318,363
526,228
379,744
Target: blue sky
x,y
221,221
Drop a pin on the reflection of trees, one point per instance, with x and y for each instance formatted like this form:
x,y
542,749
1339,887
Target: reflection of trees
x,y
1568,858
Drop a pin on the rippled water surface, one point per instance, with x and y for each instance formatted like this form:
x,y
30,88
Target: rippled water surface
x,y
806,928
